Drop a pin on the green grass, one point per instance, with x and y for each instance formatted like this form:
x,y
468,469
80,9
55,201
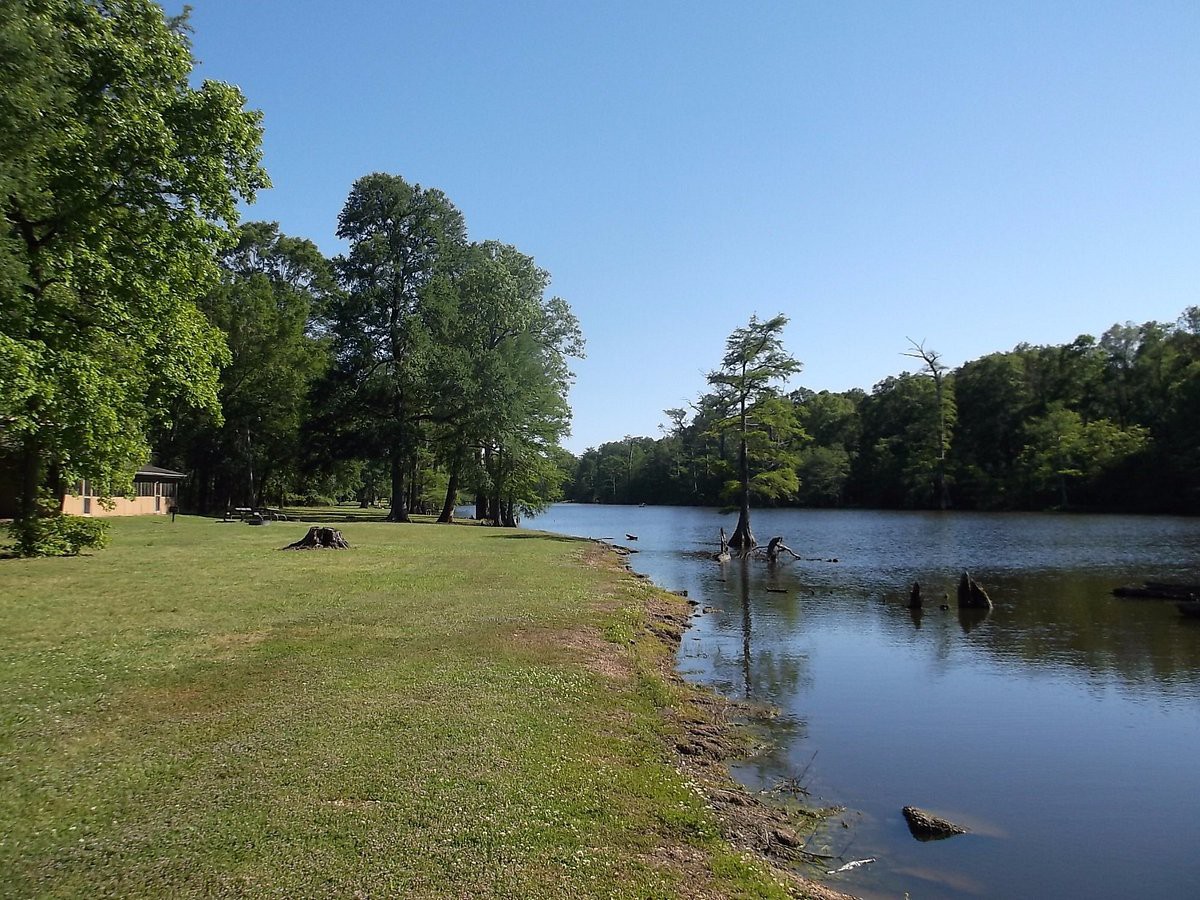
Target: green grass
x,y
192,712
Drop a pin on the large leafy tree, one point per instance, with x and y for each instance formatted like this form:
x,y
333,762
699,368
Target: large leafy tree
x,y
271,288
755,362
1062,448
993,403
406,244
118,181
831,422
503,376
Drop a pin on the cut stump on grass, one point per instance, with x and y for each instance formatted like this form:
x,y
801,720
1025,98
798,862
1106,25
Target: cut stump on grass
x,y
320,537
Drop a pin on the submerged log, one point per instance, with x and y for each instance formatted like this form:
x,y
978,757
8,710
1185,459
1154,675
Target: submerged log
x,y
320,537
777,546
1159,590
971,595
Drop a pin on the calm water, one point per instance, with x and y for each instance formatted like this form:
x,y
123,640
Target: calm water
x,y
1063,728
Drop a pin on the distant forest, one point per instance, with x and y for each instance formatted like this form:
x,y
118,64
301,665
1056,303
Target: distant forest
x,y
1110,424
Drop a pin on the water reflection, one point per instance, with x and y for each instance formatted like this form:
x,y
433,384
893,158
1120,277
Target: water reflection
x,y
1040,716
969,619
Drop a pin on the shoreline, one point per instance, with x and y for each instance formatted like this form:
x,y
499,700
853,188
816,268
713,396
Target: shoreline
x,y
711,733
432,712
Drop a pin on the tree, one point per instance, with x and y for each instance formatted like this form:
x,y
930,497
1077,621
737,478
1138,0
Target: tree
x,y
993,403
1061,447
937,372
754,361
271,287
501,373
831,422
405,240
118,180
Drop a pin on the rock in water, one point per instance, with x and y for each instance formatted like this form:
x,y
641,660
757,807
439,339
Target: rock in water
x,y
925,826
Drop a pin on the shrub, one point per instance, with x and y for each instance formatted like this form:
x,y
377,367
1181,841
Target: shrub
x,y
58,535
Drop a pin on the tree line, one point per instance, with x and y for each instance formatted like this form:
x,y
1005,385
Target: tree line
x,y
416,368
1108,424
139,320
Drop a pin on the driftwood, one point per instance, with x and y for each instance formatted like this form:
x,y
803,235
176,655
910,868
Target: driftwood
x,y
777,546
320,537
774,550
851,865
971,595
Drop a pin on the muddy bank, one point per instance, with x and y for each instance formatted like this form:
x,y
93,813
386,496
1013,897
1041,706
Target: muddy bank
x,y
705,732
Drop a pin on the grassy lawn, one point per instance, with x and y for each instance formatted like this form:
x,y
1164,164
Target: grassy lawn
x,y
439,711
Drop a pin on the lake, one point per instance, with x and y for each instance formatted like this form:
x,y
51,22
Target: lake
x,y
1063,728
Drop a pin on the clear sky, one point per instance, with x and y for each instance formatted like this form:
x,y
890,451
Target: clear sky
x,y
970,174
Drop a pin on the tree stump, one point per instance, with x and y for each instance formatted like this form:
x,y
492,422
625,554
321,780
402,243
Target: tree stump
x,y
723,554
971,595
914,596
320,537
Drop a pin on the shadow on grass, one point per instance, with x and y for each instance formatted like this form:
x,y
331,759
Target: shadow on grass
x,y
324,518
540,536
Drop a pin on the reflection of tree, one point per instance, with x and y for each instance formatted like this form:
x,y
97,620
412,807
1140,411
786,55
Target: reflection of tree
x,y
762,672
744,592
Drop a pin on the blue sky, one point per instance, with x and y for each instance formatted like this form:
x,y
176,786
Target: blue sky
x,y
969,174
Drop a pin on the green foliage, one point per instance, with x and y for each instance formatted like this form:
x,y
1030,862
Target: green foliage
x,y
271,290
58,535
119,181
745,396
1061,447
406,242
1108,424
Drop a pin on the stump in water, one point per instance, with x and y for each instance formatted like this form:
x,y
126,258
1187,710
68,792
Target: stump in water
x,y
723,554
320,537
914,596
971,595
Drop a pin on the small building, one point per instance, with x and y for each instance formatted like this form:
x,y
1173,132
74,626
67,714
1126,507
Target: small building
x,y
155,491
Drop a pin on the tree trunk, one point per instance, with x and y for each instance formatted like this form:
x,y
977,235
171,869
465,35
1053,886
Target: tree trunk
x,y
31,477
481,497
399,512
743,537
497,510
943,495
447,516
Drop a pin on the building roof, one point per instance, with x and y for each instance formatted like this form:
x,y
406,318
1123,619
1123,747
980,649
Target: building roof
x,y
157,472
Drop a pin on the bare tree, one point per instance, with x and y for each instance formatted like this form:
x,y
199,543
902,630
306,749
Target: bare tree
x,y
937,371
